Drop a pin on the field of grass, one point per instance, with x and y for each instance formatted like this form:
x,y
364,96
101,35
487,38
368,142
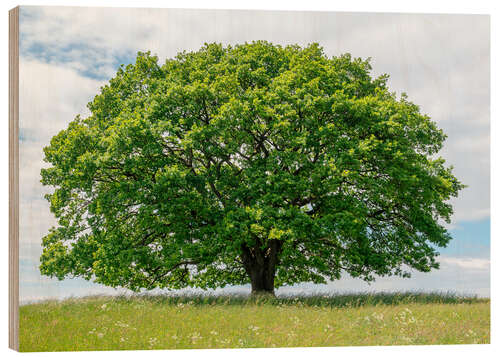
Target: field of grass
x,y
160,322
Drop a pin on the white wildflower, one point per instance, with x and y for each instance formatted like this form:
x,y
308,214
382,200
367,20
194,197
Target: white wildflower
x,y
407,339
195,336
121,324
378,317
153,341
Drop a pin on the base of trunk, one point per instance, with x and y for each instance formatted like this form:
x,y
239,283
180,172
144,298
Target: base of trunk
x,y
269,293
262,283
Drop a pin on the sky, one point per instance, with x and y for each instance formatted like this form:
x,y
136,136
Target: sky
x,y
441,61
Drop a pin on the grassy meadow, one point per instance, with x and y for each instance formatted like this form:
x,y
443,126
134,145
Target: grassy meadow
x,y
162,322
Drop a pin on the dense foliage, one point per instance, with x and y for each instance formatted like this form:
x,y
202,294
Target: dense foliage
x,y
254,163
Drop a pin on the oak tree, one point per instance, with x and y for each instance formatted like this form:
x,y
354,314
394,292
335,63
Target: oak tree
x,y
253,163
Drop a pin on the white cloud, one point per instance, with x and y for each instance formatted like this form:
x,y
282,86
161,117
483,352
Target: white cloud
x,y
465,263
50,97
463,276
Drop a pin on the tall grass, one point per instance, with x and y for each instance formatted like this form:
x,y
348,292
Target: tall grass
x,y
320,300
209,321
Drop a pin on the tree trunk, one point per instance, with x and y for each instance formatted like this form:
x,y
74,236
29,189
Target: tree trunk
x,y
260,265
262,279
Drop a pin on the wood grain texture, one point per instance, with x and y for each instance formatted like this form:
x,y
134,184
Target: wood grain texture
x,y
14,178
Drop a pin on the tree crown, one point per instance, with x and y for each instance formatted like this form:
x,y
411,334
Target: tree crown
x,y
195,172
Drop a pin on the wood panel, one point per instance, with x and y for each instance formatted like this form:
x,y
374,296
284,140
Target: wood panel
x,y
14,178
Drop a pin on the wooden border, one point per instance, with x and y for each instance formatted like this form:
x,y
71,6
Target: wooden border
x,y
14,178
